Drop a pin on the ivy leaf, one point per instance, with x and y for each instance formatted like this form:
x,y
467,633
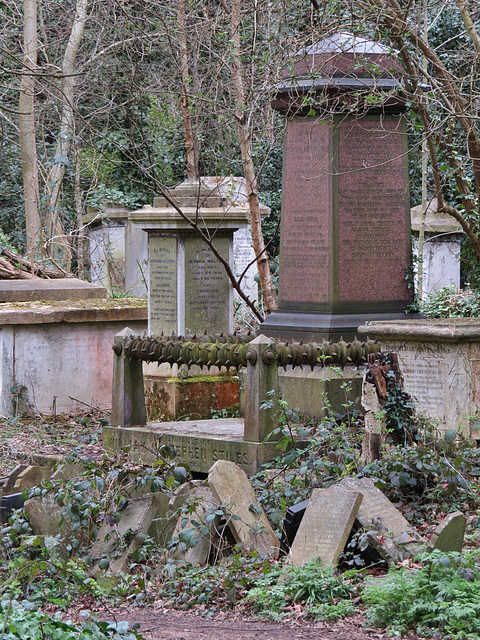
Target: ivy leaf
x,y
60,159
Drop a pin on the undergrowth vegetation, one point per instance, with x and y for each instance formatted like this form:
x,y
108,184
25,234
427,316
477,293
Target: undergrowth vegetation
x,y
426,479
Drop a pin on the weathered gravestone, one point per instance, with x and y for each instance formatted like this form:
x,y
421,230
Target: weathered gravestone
x,y
247,522
448,536
391,535
188,288
345,241
441,249
196,536
326,525
114,540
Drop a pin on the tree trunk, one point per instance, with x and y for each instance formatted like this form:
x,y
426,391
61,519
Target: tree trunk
x,y
26,124
58,242
258,243
192,155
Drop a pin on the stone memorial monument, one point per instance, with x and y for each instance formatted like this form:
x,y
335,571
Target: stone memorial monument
x,y
189,290
345,238
441,249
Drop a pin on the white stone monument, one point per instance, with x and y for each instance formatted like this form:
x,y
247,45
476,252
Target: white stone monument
x,y
443,234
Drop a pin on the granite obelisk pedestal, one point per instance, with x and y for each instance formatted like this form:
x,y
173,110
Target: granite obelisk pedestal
x,y
345,241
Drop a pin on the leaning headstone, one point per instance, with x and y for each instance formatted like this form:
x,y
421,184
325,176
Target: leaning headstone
x,y
200,502
326,525
390,533
137,519
248,522
46,518
31,476
448,536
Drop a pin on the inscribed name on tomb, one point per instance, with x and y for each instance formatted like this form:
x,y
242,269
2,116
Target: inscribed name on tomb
x,y
207,287
162,305
305,241
371,196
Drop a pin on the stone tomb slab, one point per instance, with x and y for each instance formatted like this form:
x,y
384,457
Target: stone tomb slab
x,y
55,289
392,536
440,363
448,536
326,525
250,526
198,444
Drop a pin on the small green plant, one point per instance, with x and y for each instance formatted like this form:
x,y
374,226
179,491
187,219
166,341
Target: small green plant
x,y
22,620
324,595
451,302
440,600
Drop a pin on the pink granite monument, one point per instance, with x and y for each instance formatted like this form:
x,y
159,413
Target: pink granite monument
x,y
345,243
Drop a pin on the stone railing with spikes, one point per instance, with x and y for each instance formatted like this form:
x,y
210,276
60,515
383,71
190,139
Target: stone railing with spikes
x,y
261,356
233,351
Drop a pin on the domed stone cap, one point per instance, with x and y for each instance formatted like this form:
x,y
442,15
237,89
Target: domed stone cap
x,y
435,221
342,64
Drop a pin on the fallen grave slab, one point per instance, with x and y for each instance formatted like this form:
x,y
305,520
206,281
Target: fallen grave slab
x,y
390,533
325,526
248,522
137,518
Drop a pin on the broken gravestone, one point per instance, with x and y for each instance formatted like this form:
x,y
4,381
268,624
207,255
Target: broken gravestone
x,y
382,377
12,477
326,525
30,477
247,520
448,536
389,532
117,541
373,437
46,518
197,526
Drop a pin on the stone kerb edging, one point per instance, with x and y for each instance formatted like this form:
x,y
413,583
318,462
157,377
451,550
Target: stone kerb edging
x,y
448,330
26,313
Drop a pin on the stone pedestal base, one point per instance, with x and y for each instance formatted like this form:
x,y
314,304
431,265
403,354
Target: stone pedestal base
x,y
198,444
294,325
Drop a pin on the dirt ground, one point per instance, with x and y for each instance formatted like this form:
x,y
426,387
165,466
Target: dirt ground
x,y
158,623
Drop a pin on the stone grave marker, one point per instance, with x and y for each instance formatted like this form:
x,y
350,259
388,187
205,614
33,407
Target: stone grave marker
x,y
232,489
189,290
448,536
30,477
392,536
201,499
46,516
10,480
136,517
326,525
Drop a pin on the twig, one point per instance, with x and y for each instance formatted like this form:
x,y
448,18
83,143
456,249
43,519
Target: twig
x,y
90,405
